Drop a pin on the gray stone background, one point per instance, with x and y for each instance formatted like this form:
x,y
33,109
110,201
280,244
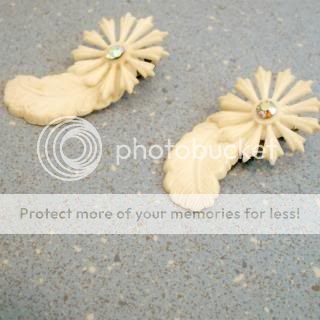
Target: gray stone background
x,y
160,277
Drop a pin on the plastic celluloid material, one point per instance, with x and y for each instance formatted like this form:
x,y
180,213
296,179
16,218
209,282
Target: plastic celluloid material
x,y
192,180
104,70
195,165
265,116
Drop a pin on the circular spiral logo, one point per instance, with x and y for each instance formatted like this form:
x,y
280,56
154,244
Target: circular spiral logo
x,y
56,143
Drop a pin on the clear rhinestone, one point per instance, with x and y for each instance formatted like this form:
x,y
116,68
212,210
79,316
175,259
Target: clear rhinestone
x,y
115,52
266,109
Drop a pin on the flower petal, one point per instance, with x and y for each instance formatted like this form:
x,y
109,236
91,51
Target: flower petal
x,y
294,140
251,145
95,76
109,29
144,68
299,90
84,53
305,124
263,80
234,103
85,66
153,53
271,149
109,82
309,105
127,80
95,39
234,133
245,87
142,27
229,118
126,24
152,38
284,79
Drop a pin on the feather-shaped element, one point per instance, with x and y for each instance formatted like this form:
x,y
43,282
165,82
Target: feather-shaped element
x,y
40,101
195,166
102,73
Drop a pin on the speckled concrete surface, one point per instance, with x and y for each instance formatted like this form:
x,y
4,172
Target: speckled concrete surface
x,y
161,277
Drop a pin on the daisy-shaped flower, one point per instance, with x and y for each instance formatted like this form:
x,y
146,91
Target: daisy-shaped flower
x,y
113,63
264,116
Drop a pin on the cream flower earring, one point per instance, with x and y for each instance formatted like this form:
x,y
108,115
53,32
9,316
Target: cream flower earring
x,y
114,66
102,73
266,116
191,177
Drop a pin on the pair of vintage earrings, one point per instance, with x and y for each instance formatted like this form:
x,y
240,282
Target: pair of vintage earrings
x,y
109,67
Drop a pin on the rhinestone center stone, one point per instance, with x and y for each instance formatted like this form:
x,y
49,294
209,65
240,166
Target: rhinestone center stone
x,y
115,52
266,109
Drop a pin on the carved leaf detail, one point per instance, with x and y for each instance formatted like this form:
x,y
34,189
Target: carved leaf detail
x,y
195,166
102,73
39,101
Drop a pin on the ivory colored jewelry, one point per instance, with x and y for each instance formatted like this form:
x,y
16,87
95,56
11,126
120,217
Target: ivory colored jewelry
x,y
102,73
266,116
241,125
195,166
